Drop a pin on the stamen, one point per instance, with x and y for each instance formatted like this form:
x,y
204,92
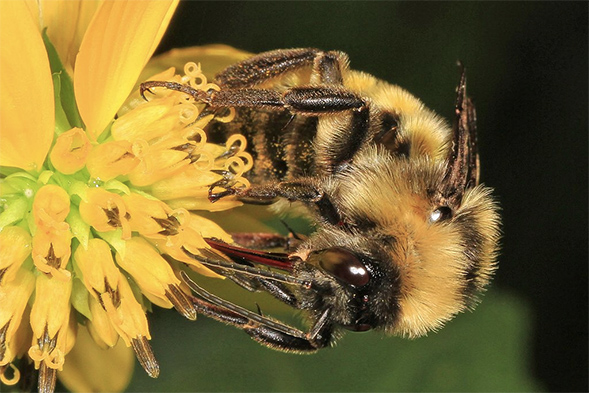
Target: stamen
x,y
112,214
3,331
189,149
115,296
47,344
181,302
52,260
47,378
145,356
169,225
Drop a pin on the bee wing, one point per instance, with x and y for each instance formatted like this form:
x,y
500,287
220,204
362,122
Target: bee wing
x,y
462,171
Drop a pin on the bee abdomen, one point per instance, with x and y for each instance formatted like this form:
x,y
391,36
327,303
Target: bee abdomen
x,y
280,143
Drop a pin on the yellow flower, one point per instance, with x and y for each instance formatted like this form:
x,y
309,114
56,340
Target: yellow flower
x,y
96,186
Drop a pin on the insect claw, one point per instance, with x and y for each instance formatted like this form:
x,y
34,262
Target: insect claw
x,y
222,172
214,197
143,89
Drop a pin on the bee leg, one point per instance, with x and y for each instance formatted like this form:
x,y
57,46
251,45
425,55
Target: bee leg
x,y
257,284
266,331
304,189
326,67
313,101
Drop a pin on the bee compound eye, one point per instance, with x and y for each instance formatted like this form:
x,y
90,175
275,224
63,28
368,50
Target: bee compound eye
x,y
345,266
440,214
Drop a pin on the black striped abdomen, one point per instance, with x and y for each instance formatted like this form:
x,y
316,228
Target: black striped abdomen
x,y
280,144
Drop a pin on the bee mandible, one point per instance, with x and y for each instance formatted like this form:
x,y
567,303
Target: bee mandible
x,y
405,237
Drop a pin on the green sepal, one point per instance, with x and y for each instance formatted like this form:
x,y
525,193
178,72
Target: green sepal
x,y
14,212
8,189
9,170
114,239
62,123
79,189
79,298
116,185
145,303
144,194
45,176
66,95
80,229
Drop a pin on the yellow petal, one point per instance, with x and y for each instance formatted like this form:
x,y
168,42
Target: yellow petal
x,y
70,151
52,239
144,122
128,317
212,58
97,266
66,22
147,215
15,243
13,297
51,206
118,43
51,252
100,327
149,269
105,211
51,309
91,369
109,160
33,6
27,114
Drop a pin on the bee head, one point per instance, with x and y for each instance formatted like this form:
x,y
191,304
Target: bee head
x,y
411,251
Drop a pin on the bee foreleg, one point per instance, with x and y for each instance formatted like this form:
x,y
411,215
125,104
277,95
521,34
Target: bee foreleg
x,y
279,291
266,331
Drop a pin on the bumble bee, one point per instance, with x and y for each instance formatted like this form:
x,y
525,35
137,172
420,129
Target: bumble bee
x,y
405,236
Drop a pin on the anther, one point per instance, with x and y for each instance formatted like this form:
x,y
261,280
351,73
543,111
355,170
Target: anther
x,y
145,356
47,378
181,302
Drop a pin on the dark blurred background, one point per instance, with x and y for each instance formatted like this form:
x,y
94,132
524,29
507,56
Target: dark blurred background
x,y
527,70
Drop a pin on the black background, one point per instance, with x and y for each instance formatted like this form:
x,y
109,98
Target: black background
x,y
527,69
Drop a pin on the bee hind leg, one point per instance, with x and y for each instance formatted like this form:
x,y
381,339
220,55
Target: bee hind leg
x,y
326,67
